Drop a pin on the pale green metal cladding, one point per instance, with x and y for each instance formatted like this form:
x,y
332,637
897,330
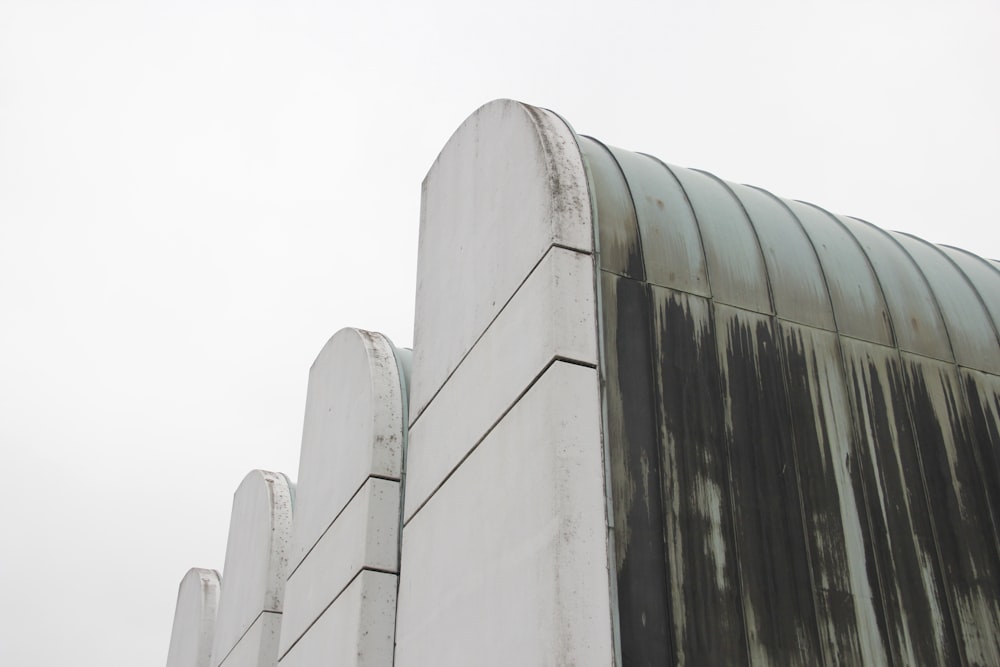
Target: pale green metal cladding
x,y
803,418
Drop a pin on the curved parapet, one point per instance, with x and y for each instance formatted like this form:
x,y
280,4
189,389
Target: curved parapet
x,y
353,429
345,542
507,186
249,620
194,619
504,548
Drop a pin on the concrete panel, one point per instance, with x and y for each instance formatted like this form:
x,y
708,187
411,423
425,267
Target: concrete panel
x,y
364,535
194,619
353,428
507,564
357,630
259,646
260,533
509,183
551,316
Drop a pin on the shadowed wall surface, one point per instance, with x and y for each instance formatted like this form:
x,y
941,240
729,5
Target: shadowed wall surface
x,y
802,421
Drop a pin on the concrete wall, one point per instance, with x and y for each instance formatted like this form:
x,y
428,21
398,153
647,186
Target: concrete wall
x,y
505,550
194,619
250,606
340,600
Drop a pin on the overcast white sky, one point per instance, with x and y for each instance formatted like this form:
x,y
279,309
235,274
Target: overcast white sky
x,y
195,195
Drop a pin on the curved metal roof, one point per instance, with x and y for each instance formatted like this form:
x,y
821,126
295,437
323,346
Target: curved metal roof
x,y
742,246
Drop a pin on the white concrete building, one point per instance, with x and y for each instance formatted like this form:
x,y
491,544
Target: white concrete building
x,y
650,418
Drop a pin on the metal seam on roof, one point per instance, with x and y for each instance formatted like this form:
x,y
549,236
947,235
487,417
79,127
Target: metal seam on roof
x,y
623,228
635,210
965,276
819,263
672,253
975,260
971,333
935,307
894,341
929,294
690,205
609,517
753,230
731,289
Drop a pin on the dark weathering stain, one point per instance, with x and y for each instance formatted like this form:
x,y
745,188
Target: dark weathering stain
x,y
704,587
746,463
958,505
618,228
984,424
901,541
783,494
772,549
833,499
636,472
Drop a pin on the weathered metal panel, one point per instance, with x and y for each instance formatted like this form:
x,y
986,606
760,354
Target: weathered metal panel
x,y
902,552
984,276
983,394
849,616
635,465
671,243
703,559
857,297
825,496
618,241
970,330
735,266
797,282
916,319
773,555
964,533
